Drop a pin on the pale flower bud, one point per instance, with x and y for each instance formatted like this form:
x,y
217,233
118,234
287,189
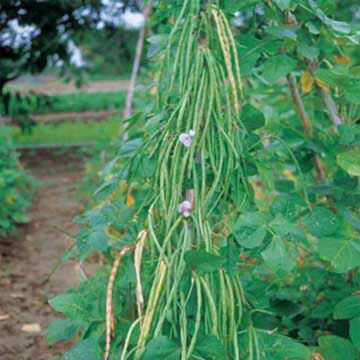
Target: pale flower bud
x,y
185,208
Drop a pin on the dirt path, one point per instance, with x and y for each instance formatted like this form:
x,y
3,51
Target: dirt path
x,y
28,258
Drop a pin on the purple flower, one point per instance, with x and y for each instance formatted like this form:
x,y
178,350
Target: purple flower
x,y
185,139
192,133
185,208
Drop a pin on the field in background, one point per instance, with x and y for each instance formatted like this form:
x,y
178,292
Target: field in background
x,y
49,112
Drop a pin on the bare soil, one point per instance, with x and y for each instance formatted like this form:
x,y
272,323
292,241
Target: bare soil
x,y
28,257
85,116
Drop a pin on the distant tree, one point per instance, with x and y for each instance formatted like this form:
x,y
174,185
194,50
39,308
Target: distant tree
x,y
34,33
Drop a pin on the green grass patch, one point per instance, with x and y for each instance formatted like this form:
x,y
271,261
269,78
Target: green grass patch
x,y
66,133
76,102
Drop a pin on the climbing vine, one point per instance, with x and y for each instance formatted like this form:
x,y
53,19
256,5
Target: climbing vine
x,y
229,219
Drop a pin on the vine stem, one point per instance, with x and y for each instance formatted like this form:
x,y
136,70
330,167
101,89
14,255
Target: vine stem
x,y
327,98
305,123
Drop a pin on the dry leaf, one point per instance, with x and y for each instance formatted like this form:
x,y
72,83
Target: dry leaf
x,y
342,59
307,82
4,317
31,328
322,84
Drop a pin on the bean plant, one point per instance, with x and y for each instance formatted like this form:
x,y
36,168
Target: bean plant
x,y
229,219
15,187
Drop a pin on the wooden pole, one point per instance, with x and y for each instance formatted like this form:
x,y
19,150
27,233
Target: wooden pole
x,y
136,65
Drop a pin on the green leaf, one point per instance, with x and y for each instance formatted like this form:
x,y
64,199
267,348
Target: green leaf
x,y
86,349
61,330
203,261
333,347
210,346
283,4
161,348
98,240
321,222
252,118
250,237
157,43
337,26
276,67
277,256
347,308
249,231
355,331
310,52
281,32
352,93
275,347
69,304
285,205
343,254
231,254
350,162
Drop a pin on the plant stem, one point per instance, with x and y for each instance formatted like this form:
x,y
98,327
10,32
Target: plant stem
x,y
306,123
327,98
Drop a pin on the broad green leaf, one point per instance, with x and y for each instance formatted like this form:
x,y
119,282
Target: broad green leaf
x,y
282,227
250,237
285,205
281,32
333,347
231,254
267,177
338,26
157,43
352,93
252,118
283,4
350,162
310,52
347,308
276,67
250,219
98,240
210,346
313,28
277,256
204,261
343,254
276,347
60,330
71,305
86,349
161,348
355,331
321,222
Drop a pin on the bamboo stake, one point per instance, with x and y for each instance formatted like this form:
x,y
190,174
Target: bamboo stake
x,y
136,65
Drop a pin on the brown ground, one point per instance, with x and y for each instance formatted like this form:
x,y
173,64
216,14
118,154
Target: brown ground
x,y
85,116
28,258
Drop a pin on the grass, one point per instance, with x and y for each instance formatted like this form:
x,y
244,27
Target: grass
x,y
66,133
76,102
